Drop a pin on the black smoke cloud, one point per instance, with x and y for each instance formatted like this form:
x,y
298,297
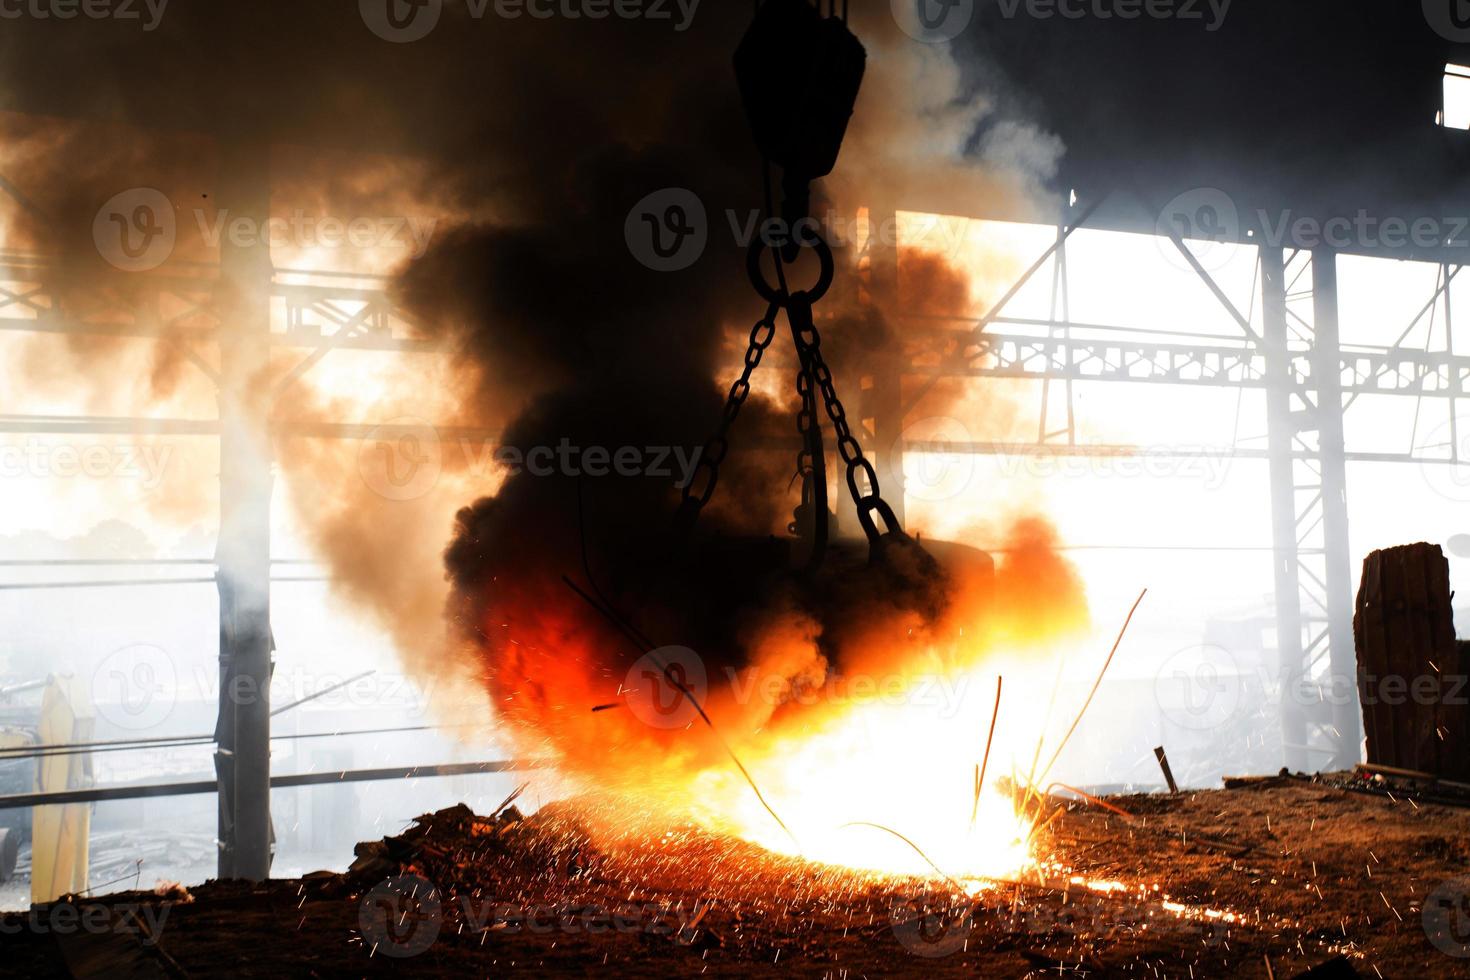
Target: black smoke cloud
x,y
540,136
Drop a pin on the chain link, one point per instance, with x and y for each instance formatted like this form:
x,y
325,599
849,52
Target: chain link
x,y
811,470
806,421
707,469
862,478
809,348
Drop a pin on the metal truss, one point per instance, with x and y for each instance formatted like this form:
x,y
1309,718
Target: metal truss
x,y
1309,381
317,310
1385,371
1311,558
1308,378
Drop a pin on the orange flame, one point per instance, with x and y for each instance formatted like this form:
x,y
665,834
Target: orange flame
x,y
865,757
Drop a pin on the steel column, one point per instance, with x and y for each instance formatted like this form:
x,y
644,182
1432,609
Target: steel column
x,y
1326,358
1280,430
242,755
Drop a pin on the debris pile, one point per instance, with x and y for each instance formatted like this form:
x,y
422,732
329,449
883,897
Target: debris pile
x,y
1275,877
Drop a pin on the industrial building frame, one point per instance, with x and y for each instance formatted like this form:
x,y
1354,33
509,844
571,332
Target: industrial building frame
x,y
1296,358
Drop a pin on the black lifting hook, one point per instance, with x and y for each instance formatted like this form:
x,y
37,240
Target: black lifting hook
x,y
799,75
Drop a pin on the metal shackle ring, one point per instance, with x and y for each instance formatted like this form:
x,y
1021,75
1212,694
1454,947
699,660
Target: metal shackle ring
x,y
773,295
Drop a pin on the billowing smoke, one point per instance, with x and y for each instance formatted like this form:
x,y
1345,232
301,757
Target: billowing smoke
x,y
563,578
528,143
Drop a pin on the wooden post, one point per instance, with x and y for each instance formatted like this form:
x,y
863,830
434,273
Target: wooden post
x,y
1411,672
1164,765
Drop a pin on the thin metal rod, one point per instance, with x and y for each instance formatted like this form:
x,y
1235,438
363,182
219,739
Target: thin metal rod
x,y
1199,270
119,562
985,760
324,691
1016,287
188,741
646,648
1095,685
102,794
917,849
108,583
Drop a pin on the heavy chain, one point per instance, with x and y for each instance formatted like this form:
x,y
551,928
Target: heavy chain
x,y
868,500
811,469
862,478
806,422
713,454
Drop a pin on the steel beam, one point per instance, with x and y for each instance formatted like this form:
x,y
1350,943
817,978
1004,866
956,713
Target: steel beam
x,y
1280,434
1338,578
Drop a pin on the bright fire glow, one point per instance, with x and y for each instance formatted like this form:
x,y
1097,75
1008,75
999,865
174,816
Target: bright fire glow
x,y
848,789
864,756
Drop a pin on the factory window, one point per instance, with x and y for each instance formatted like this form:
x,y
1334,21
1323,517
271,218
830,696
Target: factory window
x,y
1456,112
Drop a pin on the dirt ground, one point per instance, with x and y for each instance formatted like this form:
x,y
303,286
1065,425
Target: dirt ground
x,y
1271,879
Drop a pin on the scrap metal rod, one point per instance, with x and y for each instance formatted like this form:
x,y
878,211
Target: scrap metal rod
x,y
985,760
99,794
645,646
1095,685
188,741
